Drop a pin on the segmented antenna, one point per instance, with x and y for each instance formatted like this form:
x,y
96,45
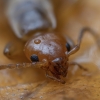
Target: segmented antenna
x,y
24,65
77,47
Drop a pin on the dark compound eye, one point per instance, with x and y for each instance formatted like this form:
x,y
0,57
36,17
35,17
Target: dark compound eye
x,y
68,46
34,58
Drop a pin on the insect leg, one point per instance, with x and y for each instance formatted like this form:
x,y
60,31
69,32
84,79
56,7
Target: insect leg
x,y
80,66
54,78
77,47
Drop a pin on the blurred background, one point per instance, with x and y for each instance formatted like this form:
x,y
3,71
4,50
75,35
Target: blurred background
x,y
68,18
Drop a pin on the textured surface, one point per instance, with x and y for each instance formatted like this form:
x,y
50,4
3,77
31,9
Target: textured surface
x,y
30,84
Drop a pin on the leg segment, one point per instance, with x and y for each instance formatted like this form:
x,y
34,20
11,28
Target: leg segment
x,y
54,78
75,63
77,47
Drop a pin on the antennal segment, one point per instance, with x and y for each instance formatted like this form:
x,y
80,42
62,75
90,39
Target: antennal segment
x,y
25,65
77,47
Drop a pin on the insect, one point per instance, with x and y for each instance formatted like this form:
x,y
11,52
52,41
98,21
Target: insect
x,y
46,50
50,52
